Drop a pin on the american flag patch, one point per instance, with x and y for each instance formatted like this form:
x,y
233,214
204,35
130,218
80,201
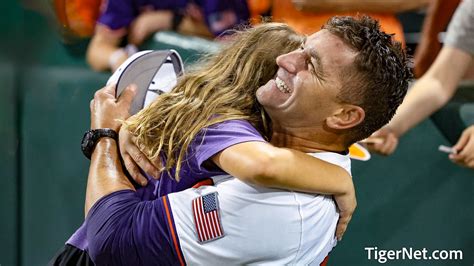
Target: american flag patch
x,y
207,218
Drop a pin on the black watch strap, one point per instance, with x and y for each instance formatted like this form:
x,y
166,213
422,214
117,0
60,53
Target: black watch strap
x,y
91,137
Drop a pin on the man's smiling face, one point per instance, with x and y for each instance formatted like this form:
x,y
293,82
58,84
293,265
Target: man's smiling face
x,y
304,91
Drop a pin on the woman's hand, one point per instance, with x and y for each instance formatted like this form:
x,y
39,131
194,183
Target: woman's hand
x,y
346,204
134,159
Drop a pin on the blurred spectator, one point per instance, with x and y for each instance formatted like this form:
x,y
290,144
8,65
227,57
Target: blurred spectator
x,y
437,18
436,87
259,9
77,17
137,20
307,16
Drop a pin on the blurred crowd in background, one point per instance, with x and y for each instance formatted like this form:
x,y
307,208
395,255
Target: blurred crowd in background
x,y
117,28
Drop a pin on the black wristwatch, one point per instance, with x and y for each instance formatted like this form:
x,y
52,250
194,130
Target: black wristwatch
x,y
91,137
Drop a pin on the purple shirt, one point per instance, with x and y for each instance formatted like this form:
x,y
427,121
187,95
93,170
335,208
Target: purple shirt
x,y
207,143
124,230
219,15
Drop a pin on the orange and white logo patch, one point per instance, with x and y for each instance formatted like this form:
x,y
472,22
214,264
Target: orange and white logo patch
x,y
359,152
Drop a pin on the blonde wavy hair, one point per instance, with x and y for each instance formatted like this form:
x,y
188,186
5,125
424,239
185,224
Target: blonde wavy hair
x,y
222,87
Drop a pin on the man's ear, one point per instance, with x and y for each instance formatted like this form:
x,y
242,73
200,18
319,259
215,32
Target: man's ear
x,y
346,117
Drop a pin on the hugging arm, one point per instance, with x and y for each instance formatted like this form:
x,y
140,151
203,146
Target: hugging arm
x,y
255,162
262,164
105,171
124,230
117,220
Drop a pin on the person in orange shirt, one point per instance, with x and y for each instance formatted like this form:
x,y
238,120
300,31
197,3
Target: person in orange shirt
x,y
307,16
437,18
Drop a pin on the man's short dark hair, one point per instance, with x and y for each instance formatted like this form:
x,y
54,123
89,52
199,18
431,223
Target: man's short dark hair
x,y
378,79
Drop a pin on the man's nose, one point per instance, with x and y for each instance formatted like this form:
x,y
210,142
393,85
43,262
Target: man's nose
x,y
291,62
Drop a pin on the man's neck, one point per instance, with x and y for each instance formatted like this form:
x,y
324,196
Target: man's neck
x,y
308,142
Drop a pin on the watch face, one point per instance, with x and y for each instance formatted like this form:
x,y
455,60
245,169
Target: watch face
x,y
91,138
87,142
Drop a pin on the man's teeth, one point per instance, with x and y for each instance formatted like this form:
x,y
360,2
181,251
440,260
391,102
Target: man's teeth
x,y
281,85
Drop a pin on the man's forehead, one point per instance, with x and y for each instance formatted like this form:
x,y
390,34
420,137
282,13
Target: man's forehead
x,y
323,37
325,43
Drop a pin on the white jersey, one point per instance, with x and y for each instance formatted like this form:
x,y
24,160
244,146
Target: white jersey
x,y
260,225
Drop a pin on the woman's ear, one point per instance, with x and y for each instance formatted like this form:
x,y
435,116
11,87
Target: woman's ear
x,y
346,117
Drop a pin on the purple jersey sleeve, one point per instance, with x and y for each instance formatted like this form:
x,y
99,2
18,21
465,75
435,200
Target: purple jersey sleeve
x,y
122,230
221,136
117,14
206,144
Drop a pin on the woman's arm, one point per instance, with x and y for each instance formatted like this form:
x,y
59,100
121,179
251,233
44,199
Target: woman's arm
x,y
262,164
255,162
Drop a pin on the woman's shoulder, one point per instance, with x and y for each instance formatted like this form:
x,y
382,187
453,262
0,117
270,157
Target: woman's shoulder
x,y
235,125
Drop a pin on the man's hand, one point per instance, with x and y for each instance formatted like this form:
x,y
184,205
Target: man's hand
x,y
105,172
384,141
465,149
346,204
108,112
148,23
134,159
